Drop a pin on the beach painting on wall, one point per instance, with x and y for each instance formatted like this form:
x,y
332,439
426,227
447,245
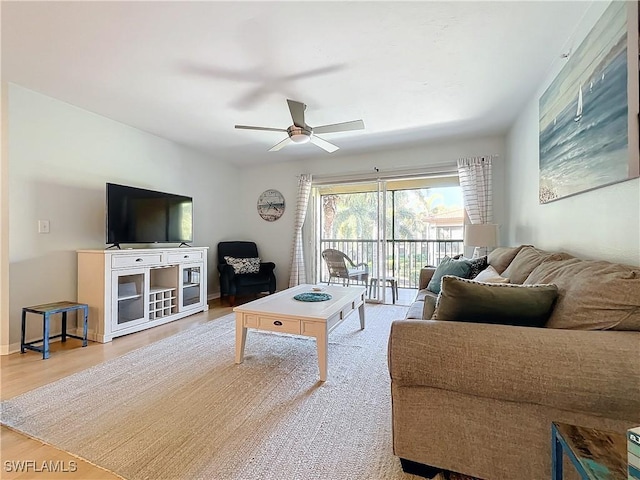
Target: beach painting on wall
x,y
584,114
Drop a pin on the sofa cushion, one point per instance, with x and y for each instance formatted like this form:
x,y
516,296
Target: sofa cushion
x,y
463,300
526,260
449,266
421,294
593,295
429,306
415,311
489,275
501,257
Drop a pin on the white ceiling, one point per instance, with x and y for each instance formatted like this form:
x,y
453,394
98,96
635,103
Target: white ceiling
x,y
190,71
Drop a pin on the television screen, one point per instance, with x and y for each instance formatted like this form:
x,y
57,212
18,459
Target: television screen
x,y
136,215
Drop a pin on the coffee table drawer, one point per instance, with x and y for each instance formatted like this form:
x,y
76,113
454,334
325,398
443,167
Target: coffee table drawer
x,y
276,324
346,311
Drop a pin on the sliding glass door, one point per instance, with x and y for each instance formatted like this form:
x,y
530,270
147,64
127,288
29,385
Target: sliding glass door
x,y
350,219
393,226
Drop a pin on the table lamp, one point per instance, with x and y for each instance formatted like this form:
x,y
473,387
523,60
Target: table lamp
x,y
480,235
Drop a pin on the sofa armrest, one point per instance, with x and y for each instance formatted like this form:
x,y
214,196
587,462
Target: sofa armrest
x,y
588,371
425,277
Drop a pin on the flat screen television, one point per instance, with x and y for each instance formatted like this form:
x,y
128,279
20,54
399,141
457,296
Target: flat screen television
x,y
136,215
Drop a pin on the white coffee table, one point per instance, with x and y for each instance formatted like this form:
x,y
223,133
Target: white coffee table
x,y
280,312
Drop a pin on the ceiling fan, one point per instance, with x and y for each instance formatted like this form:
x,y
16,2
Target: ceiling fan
x,y
300,132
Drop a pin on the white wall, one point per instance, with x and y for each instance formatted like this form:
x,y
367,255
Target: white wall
x,y
4,217
602,224
275,239
60,158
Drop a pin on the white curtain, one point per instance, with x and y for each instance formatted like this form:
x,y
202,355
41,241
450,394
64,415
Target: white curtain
x,y
298,274
476,180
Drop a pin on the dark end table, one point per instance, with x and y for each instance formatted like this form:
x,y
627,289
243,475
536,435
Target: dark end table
x,y
46,310
596,454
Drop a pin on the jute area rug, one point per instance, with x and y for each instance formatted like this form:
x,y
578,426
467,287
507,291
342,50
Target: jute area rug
x,y
181,408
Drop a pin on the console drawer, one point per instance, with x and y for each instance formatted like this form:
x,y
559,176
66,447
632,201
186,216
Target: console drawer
x,y
118,261
276,324
184,256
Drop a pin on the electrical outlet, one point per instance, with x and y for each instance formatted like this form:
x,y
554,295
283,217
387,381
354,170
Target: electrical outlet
x,y
43,226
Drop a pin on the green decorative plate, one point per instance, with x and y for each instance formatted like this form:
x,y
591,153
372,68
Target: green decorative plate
x,y
312,297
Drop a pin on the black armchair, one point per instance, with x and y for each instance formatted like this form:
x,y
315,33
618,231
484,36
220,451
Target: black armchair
x,y
232,283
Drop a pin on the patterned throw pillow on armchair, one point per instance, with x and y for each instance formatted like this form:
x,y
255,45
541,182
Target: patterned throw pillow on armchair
x,y
244,265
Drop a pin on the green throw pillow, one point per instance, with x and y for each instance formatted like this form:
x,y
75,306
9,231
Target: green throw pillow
x,y
464,300
449,266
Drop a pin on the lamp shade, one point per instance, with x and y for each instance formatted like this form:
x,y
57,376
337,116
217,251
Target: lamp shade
x,y
481,235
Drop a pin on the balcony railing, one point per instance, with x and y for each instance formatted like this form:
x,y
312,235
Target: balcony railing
x,y
404,258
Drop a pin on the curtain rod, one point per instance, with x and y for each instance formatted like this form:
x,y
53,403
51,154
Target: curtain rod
x,y
395,174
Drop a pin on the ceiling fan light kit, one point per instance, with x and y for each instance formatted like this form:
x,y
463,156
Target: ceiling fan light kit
x,y
299,135
300,132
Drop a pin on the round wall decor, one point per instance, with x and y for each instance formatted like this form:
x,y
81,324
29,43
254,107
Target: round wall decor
x,y
270,205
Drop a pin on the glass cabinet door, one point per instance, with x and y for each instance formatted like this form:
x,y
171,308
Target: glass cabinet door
x,y
129,289
191,292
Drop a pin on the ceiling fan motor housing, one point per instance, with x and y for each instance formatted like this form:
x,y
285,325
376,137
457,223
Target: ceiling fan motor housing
x,y
299,134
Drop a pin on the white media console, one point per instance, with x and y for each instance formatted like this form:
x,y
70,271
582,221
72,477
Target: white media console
x,y
131,290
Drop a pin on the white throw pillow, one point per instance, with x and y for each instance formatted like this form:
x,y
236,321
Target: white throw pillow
x,y
490,275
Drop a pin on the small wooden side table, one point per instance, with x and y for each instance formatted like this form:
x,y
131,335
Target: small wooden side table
x,y
596,454
373,286
46,310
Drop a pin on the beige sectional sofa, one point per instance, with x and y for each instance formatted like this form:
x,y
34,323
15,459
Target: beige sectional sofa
x,y
479,399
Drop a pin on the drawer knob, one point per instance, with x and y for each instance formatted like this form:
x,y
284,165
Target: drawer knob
x,y
138,259
186,256
277,322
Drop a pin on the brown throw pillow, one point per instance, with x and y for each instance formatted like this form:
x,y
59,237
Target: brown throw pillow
x,y
526,260
501,257
463,300
593,295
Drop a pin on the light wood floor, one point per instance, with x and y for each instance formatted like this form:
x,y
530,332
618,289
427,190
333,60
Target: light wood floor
x,y
23,372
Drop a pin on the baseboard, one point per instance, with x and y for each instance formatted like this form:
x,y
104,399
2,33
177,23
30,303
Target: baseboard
x,y
8,349
15,347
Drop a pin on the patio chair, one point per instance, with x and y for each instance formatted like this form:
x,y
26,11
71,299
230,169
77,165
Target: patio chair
x,y
341,266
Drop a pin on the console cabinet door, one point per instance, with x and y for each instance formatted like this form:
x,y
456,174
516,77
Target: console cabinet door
x,y
191,289
130,289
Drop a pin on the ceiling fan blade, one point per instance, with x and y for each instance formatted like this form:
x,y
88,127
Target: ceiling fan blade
x,y
252,97
329,147
249,127
252,75
282,144
297,113
314,72
340,127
